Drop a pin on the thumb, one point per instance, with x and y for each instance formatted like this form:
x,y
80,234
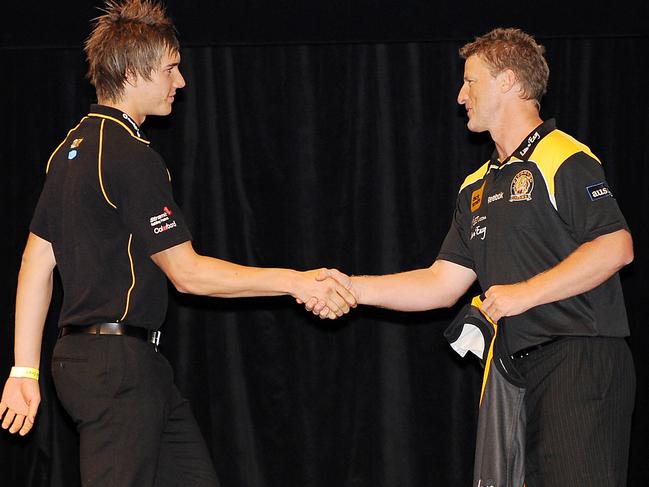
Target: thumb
x,y
33,408
323,274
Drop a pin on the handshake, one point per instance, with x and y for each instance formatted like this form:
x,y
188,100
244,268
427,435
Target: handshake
x,y
327,293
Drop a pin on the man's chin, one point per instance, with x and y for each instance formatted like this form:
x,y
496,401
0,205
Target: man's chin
x,y
162,111
474,127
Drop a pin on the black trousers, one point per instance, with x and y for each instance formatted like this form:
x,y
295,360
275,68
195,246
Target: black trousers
x,y
579,401
135,428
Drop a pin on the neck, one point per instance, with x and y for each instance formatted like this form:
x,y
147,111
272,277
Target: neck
x,y
125,107
513,128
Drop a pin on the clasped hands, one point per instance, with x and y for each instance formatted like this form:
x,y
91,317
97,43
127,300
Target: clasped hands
x,y
328,293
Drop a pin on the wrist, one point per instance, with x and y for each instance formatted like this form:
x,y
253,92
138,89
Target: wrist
x,y
294,283
358,288
24,372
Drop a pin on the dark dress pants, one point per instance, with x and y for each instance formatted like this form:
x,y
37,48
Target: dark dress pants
x,y
579,400
135,428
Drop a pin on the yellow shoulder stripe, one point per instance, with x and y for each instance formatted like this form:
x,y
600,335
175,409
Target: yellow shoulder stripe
x,y
476,176
47,168
551,152
126,127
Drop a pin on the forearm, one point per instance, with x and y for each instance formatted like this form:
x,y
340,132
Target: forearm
x,y
208,276
438,286
586,268
32,303
33,296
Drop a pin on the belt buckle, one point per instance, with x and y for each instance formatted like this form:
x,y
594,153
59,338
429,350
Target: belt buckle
x,y
155,338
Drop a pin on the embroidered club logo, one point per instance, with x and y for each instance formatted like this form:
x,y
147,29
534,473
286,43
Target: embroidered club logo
x,y
73,148
522,186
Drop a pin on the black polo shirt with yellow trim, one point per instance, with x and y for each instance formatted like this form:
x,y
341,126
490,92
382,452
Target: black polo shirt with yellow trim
x,y
517,218
106,207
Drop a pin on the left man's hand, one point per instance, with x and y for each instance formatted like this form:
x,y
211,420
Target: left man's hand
x,y
20,400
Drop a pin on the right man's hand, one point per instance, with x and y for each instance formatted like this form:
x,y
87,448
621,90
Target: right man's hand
x,y
19,403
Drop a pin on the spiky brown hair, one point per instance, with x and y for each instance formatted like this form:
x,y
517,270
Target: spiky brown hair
x,y
130,37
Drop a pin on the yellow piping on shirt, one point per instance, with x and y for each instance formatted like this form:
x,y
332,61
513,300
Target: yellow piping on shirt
x,y
126,127
101,180
128,294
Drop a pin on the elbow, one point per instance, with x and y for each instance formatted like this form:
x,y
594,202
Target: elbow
x,y
181,286
448,301
185,283
627,256
183,279
626,251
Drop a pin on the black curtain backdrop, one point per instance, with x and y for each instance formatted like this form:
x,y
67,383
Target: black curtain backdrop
x,y
308,155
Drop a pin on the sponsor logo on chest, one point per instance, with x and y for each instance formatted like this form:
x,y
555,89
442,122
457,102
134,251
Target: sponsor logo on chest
x,y
476,198
495,197
478,229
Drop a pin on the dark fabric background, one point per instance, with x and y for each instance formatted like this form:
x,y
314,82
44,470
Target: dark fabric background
x,y
308,155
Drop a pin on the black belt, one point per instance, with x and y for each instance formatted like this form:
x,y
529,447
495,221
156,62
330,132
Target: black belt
x,y
526,351
113,329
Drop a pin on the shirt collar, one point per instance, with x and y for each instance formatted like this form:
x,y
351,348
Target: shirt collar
x,y
120,117
529,143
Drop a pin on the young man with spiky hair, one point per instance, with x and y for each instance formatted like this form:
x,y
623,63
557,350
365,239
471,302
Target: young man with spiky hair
x,y
539,228
107,219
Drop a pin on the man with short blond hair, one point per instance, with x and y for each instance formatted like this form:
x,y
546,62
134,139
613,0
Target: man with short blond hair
x,y
539,228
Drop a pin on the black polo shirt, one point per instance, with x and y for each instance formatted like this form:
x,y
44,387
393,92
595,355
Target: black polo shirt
x,y
517,218
106,207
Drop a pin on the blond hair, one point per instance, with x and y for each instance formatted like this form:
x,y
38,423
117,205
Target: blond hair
x,y
513,49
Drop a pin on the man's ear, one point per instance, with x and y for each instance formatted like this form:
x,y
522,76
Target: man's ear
x,y
507,80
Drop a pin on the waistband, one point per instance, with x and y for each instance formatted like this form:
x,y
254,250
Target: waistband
x,y
526,351
113,328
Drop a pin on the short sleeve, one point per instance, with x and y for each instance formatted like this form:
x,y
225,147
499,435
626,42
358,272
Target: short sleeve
x,y
455,247
140,189
584,200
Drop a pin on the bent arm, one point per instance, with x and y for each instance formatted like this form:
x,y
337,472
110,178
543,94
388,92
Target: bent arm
x,y
587,267
439,286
